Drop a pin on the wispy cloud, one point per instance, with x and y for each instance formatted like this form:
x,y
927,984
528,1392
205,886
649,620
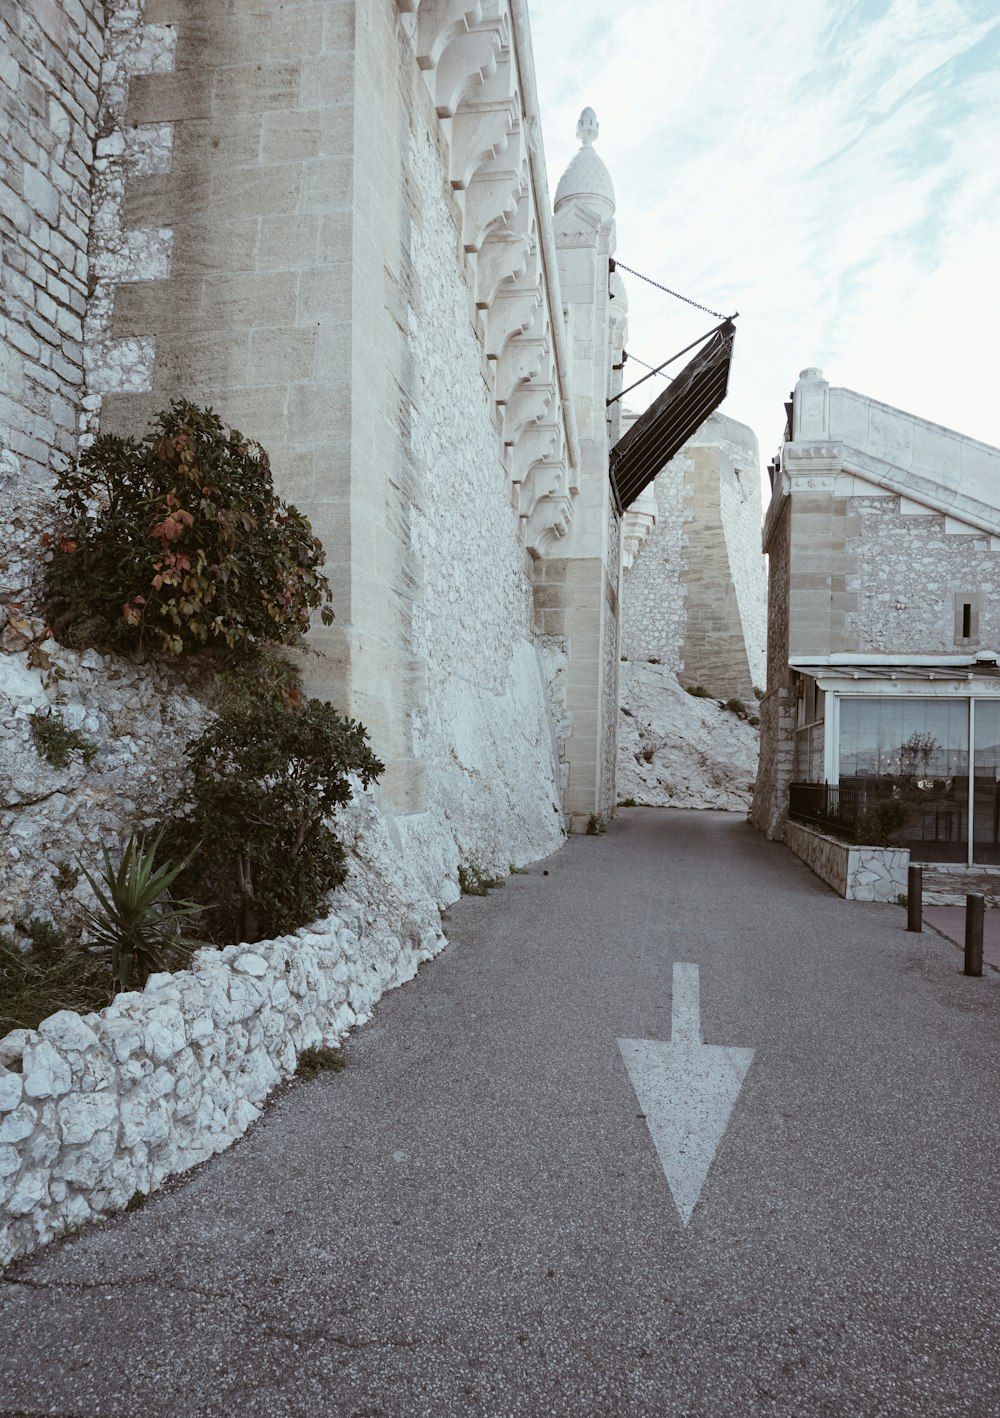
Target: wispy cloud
x,y
827,168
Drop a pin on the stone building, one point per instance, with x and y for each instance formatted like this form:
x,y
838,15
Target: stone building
x,y
331,223
883,534
694,591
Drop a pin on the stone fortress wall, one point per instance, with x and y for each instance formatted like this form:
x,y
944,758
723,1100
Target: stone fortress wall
x,y
330,222
50,62
694,593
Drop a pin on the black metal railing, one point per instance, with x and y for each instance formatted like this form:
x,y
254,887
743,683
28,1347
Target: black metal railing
x,y
833,808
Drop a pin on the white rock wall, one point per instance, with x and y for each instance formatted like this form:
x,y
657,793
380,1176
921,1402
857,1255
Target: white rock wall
x,y
675,750
907,572
486,737
136,718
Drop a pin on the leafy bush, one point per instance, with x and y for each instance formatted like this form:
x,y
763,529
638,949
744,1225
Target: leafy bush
x,y
736,706
596,826
758,693
54,974
54,741
698,691
135,917
265,776
880,821
180,541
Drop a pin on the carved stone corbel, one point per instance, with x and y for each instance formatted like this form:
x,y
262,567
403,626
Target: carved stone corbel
x,y
438,21
504,254
548,521
467,62
511,311
527,403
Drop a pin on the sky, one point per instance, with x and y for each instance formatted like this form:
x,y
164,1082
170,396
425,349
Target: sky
x,y
828,168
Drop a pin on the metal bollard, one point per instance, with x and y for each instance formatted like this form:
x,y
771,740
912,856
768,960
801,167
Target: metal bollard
x,y
974,909
915,899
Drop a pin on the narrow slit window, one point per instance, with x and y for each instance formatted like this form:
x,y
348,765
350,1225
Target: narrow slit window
x,y
966,617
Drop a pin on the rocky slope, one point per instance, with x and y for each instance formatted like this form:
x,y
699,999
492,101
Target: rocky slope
x,y
676,750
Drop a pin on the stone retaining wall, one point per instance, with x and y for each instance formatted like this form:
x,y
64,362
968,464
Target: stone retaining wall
x,y
856,873
94,1108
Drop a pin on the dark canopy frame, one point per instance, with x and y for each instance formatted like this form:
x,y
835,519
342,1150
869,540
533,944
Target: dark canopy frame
x,y
668,423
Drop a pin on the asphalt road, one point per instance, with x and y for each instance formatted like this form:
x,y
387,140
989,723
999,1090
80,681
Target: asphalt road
x,y
472,1218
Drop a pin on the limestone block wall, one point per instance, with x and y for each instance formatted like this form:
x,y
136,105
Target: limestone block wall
x,y
333,236
50,60
483,735
654,593
695,595
777,709
857,873
908,570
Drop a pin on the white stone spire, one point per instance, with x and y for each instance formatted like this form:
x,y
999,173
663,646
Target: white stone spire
x,y
587,178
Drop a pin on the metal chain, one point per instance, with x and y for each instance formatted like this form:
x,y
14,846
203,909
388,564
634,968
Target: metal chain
x,y
620,266
634,359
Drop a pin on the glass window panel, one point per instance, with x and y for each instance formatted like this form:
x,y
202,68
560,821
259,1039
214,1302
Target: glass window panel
x,y
915,751
986,802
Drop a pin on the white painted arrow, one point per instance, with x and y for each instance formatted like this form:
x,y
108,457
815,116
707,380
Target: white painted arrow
x,y
687,1091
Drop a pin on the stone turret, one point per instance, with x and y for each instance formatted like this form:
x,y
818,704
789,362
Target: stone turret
x,y
581,592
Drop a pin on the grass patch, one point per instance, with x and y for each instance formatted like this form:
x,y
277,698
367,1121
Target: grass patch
x,y
320,1059
518,871
627,802
55,742
54,974
137,1200
698,691
474,882
66,875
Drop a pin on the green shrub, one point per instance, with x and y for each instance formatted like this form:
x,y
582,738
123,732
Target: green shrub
x,y
880,821
55,742
596,826
135,918
627,802
736,706
180,542
54,974
652,660
758,693
265,776
698,691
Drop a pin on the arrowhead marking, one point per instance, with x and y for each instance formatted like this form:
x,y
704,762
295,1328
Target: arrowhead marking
x,y
687,1091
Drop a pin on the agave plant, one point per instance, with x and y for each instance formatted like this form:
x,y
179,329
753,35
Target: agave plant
x,y
135,917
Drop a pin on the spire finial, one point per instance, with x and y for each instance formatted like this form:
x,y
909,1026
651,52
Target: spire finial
x,y
588,128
